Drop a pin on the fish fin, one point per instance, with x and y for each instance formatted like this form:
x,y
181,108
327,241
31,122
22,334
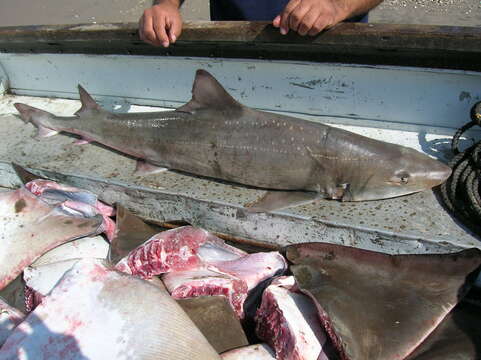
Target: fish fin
x,y
43,132
28,113
25,175
130,232
207,92
144,168
82,142
277,200
88,103
37,117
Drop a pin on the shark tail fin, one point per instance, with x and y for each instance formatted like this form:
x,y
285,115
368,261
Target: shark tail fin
x,y
40,118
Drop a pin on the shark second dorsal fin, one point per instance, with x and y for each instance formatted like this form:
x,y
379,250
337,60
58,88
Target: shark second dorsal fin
x,y
88,103
207,92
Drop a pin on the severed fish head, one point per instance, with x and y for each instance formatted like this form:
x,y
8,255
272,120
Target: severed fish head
x,y
400,171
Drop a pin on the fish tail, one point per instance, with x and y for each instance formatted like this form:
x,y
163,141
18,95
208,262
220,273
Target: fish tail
x,y
40,118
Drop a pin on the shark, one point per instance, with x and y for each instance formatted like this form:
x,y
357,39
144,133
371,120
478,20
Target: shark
x,y
213,135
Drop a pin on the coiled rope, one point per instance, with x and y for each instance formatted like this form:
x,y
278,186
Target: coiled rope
x,y
461,192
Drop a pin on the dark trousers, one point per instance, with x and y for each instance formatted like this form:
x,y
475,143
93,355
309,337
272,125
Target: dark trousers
x,y
254,10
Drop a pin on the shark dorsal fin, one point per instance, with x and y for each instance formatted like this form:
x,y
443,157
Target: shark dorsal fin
x,y
207,92
88,103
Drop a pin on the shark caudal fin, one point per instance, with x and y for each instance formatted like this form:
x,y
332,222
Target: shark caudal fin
x,y
38,117
207,92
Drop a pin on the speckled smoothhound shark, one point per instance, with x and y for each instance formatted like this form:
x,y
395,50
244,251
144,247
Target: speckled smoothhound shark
x,y
213,135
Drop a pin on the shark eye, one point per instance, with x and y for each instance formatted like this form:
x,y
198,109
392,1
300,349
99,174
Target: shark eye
x,y
403,177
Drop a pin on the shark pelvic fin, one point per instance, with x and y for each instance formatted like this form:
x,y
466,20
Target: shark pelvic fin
x,y
207,92
88,103
143,168
277,200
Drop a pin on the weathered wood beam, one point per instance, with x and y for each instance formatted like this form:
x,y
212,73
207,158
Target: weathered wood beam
x,y
379,44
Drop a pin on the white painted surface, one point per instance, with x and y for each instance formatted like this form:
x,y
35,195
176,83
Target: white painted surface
x,y
3,81
391,97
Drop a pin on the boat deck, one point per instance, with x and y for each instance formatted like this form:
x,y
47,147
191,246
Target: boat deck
x,y
423,91
410,224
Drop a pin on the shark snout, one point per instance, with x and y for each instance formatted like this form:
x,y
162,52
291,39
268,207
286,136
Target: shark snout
x,y
438,174
441,174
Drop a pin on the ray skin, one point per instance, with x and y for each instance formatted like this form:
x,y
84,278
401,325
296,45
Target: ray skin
x,y
458,337
29,228
217,321
215,136
378,306
95,312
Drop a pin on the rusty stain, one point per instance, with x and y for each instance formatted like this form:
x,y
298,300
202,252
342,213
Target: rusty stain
x,y
20,205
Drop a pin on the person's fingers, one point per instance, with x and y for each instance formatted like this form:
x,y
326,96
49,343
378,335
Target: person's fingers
x,y
141,28
296,16
160,32
307,22
284,22
175,29
277,21
148,32
319,25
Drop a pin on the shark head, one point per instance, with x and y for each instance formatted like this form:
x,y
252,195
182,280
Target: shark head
x,y
404,172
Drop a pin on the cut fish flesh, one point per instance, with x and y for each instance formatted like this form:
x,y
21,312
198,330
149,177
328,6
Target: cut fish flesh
x,y
288,321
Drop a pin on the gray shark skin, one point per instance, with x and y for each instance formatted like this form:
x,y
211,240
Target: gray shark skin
x,y
458,337
215,136
378,306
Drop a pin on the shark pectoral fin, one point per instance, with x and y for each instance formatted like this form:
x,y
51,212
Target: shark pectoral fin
x,y
144,168
276,200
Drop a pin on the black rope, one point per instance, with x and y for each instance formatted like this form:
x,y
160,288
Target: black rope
x,y
461,192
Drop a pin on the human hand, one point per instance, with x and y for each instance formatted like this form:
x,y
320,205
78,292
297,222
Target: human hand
x,y
161,24
309,16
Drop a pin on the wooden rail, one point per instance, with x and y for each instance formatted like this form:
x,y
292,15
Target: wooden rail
x,y
355,43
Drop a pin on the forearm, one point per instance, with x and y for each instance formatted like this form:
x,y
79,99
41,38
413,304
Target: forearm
x,y
173,2
350,8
